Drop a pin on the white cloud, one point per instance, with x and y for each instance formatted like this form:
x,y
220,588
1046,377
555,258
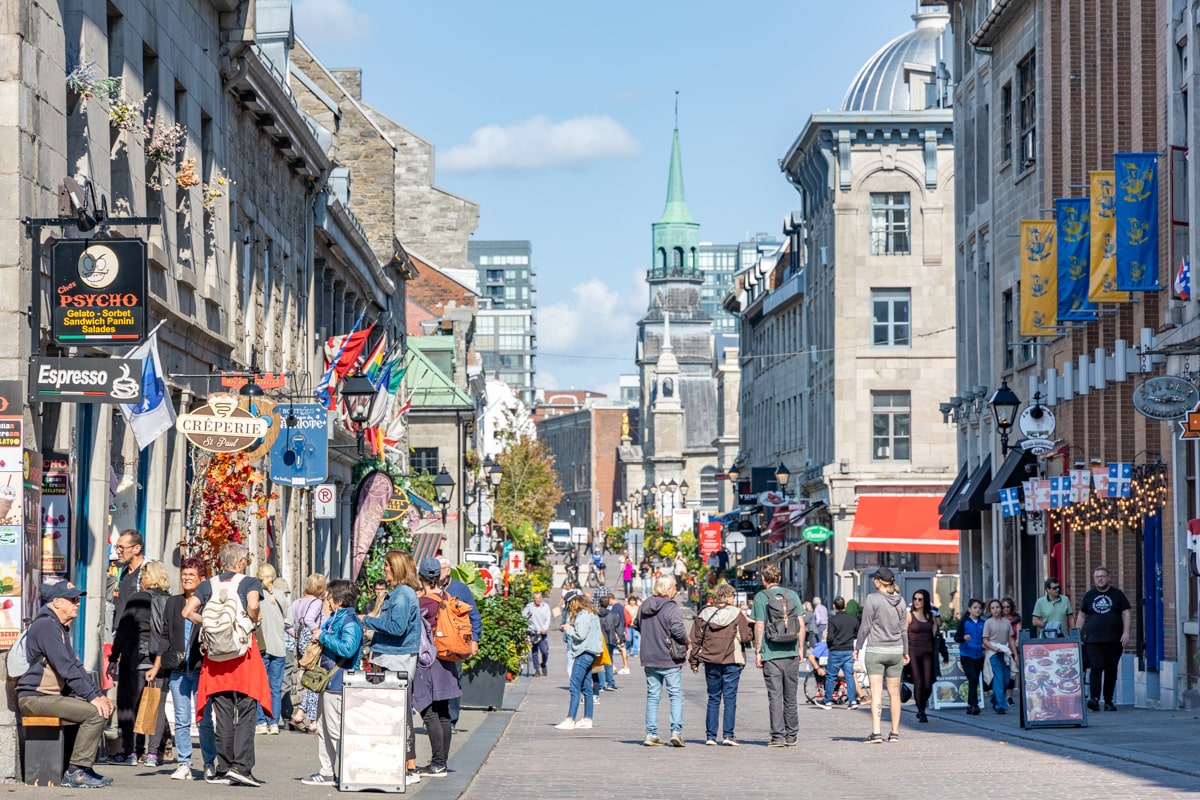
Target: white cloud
x,y
586,338
538,142
330,23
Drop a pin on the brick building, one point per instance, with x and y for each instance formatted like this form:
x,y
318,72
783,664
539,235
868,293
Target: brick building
x,y
584,444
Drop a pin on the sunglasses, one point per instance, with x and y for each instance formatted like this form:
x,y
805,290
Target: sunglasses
x,y
1054,588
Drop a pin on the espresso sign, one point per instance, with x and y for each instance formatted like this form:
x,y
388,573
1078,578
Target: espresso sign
x,y
99,294
86,380
221,426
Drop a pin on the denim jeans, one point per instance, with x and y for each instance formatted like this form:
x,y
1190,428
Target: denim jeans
x,y
275,666
655,678
840,661
1000,676
647,587
722,685
581,683
183,690
635,641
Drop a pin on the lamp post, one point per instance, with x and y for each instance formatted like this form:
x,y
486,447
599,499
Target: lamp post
x,y
782,476
360,396
443,486
1004,403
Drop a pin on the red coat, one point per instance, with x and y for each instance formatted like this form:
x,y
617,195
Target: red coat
x,y
246,675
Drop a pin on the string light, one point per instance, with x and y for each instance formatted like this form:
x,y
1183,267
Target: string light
x,y
1147,496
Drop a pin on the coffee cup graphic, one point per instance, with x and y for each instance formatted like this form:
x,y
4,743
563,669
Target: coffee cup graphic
x,y
123,386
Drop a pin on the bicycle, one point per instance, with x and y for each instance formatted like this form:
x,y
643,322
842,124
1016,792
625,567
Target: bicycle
x,y
814,689
593,578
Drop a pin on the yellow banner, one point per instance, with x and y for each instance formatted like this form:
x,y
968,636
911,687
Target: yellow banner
x,y
1102,283
1039,278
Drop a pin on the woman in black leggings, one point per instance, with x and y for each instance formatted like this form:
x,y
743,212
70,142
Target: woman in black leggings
x,y
922,649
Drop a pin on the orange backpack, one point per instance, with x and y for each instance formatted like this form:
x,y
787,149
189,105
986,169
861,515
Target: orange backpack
x,y
452,634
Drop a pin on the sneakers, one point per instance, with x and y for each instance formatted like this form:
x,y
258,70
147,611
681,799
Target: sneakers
x,y
776,743
1094,705
183,772
150,760
260,729
567,724
855,704
826,705
84,778
243,778
790,743
874,738
411,778
729,741
273,729
583,723
317,779
430,771
131,759
652,741
677,739
211,776
710,742
623,671
1109,706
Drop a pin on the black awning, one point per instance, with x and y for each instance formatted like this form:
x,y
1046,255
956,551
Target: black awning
x,y
1010,474
955,487
962,509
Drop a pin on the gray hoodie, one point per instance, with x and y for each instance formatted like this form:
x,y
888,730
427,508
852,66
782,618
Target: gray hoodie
x,y
660,619
883,624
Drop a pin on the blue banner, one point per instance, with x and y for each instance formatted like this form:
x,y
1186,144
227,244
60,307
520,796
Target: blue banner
x,y
300,456
1137,222
1074,243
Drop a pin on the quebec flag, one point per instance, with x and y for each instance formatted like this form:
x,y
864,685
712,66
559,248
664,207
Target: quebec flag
x,y
1010,502
1120,479
155,415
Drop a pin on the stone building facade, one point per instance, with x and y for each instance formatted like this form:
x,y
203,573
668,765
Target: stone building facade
x,y
584,444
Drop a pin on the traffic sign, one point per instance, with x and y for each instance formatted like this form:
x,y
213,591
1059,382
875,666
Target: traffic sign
x,y
516,562
479,513
324,501
489,582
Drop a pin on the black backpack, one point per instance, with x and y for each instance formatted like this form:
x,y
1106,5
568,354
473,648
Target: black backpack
x,y
783,618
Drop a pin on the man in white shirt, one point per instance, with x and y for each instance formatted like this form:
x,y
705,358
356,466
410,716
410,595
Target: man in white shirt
x,y
537,613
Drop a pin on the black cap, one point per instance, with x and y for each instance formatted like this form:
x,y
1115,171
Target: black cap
x,y
53,591
571,594
884,574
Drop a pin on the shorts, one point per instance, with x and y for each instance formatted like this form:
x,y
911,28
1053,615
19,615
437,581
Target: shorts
x,y
889,665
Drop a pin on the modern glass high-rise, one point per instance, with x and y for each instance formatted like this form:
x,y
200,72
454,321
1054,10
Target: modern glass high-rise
x,y
719,263
505,329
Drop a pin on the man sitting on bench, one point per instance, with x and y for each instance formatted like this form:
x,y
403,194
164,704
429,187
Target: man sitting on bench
x,y
56,684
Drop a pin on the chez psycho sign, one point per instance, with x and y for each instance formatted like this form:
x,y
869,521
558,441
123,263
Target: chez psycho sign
x,y
98,292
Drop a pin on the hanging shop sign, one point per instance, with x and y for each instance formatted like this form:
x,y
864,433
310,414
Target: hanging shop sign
x,y
221,426
264,408
397,506
1037,422
98,291
1165,397
816,533
86,380
265,380
300,453
1189,427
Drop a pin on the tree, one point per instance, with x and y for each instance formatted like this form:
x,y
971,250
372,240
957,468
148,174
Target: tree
x,y
529,491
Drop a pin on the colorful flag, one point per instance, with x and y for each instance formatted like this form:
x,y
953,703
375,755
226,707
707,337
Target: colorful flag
x,y
324,391
1030,500
1137,221
155,415
1100,481
1120,479
1060,491
372,364
342,352
1041,491
1081,485
1072,246
1010,502
1102,225
1183,280
1039,297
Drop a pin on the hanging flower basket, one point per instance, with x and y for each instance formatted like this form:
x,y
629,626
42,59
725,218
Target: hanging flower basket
x,y
163,144
126,115
84,84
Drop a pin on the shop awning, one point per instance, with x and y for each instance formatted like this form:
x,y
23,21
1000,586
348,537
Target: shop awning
x,y
961,511
1010,474
963,473
900,524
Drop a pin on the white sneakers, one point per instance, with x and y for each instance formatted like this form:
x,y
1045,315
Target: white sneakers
x,y
182,773
567,724
583,723
623,671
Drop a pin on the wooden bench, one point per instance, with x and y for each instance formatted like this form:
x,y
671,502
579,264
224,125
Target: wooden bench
x,y
45,750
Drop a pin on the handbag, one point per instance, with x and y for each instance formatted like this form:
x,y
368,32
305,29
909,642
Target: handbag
x,y
605,659
317,678
312,656
173,659
147,712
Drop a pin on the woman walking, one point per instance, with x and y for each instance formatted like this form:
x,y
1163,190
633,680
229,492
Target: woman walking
x,y
436,685
719,634
306,623
646,573
886,652
133,656
922,649
1000,644
181,647
627,573
273,621
970,652
633,635
581,630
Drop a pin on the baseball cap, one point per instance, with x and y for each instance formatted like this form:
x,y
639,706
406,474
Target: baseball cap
x,y
571,594
884,574
430,568
53,591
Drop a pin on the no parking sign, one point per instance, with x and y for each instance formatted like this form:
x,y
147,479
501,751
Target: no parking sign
x,y
324,501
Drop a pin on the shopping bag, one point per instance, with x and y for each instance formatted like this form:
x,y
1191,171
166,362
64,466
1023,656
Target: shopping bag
x,y
147,713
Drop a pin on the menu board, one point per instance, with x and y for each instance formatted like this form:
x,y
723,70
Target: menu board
x,y
951,689
1052,683
375,719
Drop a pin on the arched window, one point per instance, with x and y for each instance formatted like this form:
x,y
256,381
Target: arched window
x,y
661,266
709,492
677,261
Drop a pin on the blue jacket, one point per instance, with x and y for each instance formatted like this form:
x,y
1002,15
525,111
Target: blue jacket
x,y
397,628
974,629
341,641
54,669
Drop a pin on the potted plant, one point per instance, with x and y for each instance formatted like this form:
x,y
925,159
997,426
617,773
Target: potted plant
x,y
502,642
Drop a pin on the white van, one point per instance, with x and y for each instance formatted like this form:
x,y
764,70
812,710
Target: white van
x,y
558,535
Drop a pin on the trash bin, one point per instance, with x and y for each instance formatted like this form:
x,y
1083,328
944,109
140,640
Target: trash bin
x,y
375,720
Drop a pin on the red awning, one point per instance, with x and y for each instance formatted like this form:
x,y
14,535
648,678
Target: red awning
x,y
900,524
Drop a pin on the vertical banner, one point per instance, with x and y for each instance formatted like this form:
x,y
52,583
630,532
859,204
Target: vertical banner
x,y
1039,299
1102,285
1137,221
56,514
1072,245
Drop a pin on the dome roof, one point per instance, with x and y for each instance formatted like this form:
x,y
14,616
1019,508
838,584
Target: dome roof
x,y
881,84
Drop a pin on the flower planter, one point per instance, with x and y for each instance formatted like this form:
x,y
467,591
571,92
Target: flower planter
x,y
483,686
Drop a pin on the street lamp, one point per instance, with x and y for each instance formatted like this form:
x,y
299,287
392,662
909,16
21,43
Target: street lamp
x,y
360,396
735,469
1004,403
683,490
782,474
443,485
495,474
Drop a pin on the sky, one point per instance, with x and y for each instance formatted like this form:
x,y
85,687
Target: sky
x,y
556,118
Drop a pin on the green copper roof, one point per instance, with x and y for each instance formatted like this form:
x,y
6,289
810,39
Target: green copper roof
x,y
676,210
429,386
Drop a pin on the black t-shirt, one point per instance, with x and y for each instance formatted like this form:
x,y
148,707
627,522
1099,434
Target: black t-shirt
x,y
1103,609
248,584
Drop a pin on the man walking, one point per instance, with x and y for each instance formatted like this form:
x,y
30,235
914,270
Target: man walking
x,y
57,685
841,633
1052,611
234,684
778,637
664,649
537,614
820,618
123,668
1103,619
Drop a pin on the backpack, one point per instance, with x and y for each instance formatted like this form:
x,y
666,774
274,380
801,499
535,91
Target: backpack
x,y
428,653
452,634
783,623
17,660
225,628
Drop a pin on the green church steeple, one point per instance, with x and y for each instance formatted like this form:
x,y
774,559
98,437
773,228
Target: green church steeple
x,y
676,210
676,237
